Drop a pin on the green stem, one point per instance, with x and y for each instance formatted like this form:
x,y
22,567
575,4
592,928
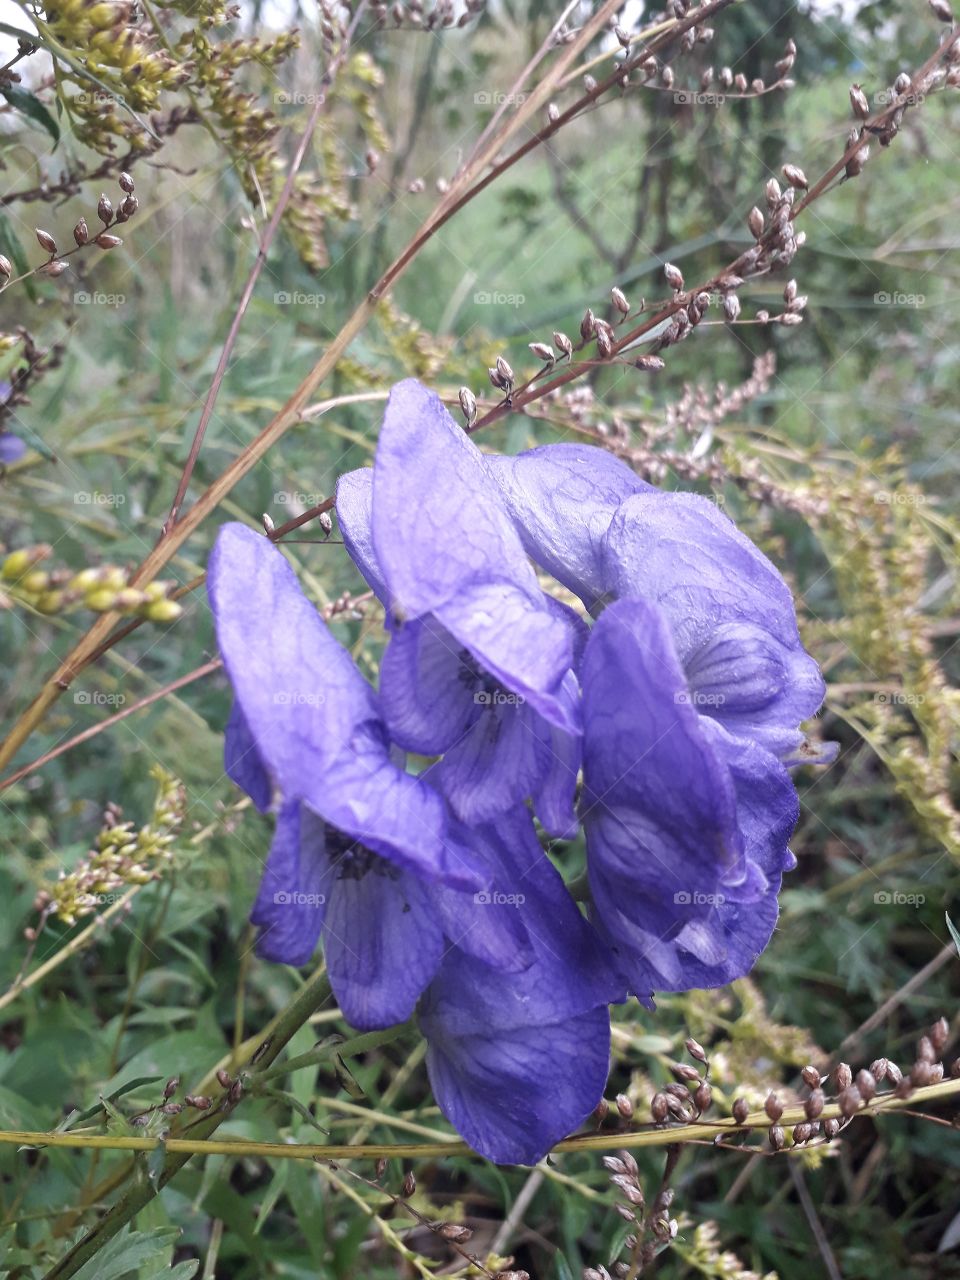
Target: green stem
x,y
337,1048
306,1002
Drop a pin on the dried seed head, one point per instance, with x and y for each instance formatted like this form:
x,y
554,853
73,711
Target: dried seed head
x,y
126,183
831,1128
628,1162
755,222
624,1106
866,1084
504,370
55,268
925,1050
703,1096
81,232
682,1071
894,1074
773,1107
650,364
468,404
777,1137
674,276
849,1101
614,1164
619,299
878,1069
496,380
6,266
542,351
941,10
795,177
659,1107
938,1033
628,1186
604,341
107,241
172,1108
842,1076
408,1186
588,325
811,1077
773,192
129,206
454,1231
802,1132
814,1104
171,1087
46,240
198,1100
563,344
740,1110
695,1050
104,209
859,103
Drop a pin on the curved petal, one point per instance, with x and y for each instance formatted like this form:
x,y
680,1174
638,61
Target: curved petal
x,y
241,760
561,755
382,943
291,900
355,517
756,686
313,717
513,1095
428,685
497,764
562,497
680,550
439,521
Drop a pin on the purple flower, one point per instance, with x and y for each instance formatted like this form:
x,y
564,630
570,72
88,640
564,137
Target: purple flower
x,y
12,448
479,666
687,826
730,613
363,853
519,1060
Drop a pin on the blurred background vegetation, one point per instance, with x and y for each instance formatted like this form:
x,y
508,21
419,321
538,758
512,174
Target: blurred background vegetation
x,y
843,463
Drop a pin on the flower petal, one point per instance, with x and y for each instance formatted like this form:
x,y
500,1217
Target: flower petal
x,y
314,719
291,901
355,517
562,497
241,760
497,764
12,448
427,687
382,943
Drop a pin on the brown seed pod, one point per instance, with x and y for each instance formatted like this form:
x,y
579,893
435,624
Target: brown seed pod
x,y
777,1137
468,403
802,1132
107,241
703,1096
409,1185
105,210
811,1077
46,240
624,1106
81,232
866,1084
6,266
659,1108
849,1101
126,183
773,1107
740,1110
755,222
674,276
859,103
842,1076
814,1104
619,299
938,1033
831,1128
542,351
795,177
651,364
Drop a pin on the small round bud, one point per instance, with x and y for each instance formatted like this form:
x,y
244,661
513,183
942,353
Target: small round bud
x,y
126,183
740,1110
105,210
773,1107
46,240
81,232
811,1077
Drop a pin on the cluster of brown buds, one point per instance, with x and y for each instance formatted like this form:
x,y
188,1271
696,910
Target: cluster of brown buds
x,y
412,14
83,233
690,1095
651,1230
718,86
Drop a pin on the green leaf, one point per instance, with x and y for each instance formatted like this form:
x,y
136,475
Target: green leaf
x,y
29,104
127,1252
104,1104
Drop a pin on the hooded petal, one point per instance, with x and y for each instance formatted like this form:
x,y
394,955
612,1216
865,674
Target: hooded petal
x,y
562,497
660,805
355,517
383,943
314,719
291,901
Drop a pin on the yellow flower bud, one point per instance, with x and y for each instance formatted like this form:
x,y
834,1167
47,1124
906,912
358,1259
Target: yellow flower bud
x,y
162,611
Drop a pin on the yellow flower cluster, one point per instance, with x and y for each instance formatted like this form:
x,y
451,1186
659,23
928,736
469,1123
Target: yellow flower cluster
x,y
104,589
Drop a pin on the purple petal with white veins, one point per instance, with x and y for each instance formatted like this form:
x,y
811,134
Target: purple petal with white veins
x,y
291,901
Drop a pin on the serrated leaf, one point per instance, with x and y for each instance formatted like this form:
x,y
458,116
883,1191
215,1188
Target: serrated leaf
x,y
29,104
127,1252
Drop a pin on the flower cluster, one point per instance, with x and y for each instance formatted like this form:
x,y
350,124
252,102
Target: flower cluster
x,y
661,717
